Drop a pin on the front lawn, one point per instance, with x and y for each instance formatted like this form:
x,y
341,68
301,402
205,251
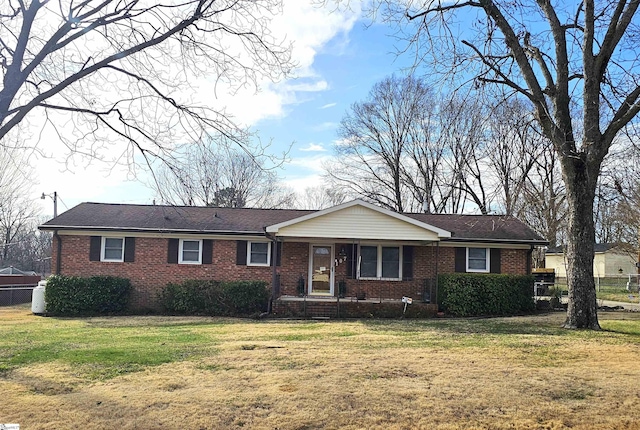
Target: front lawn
x,y
192,373
617,294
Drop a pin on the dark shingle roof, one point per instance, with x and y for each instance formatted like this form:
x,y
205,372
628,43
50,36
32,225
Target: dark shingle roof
x,y
497,227
170,218
597,247
104,216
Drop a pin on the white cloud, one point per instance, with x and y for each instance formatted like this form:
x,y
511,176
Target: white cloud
x,y
310,28
325,126
313,163
313,147
300,183
327,106
306,171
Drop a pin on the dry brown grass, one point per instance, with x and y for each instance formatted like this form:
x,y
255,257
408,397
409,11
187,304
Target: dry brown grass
x,y
513,373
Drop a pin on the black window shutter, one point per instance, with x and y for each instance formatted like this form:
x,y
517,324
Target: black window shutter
x,y
351,260
172,252
94,248
407,263
241,252
494,258
461,260
129,249
207,251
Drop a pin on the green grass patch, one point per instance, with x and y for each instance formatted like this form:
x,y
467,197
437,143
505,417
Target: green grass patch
x,y
98,352
618,296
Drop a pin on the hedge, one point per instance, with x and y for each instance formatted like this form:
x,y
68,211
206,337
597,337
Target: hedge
x,y
96,295
205,297
466,294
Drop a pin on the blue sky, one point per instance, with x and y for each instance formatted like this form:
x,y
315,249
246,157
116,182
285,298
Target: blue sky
x,y
341,57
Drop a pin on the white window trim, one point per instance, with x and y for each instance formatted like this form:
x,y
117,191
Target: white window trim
x,y
181,247
488,258
379,262
250,263
102,250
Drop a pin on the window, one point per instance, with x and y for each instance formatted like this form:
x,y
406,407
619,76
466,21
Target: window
x,y
477,260
368,261
258,253
112,249
190,252
380,262
391,262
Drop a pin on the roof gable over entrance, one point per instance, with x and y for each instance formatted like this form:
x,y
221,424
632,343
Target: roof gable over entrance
x,y
358,220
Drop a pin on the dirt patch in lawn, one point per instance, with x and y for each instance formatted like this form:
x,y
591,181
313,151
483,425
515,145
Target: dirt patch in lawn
x,y
515,373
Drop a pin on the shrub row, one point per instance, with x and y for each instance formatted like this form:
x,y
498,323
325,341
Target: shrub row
x,y
465,294
74,295
198,297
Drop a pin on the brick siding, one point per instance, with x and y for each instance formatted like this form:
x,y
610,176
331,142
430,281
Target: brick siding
x,y
150,272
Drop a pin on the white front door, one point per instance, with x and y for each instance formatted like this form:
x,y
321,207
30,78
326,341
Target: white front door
x,y
321,270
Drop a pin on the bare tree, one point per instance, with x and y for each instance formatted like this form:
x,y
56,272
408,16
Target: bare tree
x,y
30,249
408,149
463,130
543,204
514,145
618,197
376,136
96,72
223,177
16,201
319,197
581,56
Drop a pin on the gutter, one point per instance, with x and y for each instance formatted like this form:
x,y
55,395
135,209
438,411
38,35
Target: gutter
x,y
150,230
506,241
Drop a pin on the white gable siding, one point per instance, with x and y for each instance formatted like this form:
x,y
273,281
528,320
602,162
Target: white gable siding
x,y
604,264
357,222
620,260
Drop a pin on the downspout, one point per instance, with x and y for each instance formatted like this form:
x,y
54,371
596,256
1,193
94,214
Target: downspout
x,y
437,260
58,251
274,269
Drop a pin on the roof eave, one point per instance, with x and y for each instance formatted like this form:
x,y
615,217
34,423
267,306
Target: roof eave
x,y
505,241
148,230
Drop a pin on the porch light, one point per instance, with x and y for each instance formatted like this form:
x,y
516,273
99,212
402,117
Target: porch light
x,y
343,252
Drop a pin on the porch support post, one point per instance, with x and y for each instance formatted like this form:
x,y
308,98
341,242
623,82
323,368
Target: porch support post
x,y
274,266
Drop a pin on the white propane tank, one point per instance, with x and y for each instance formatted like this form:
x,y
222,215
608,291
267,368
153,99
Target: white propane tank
x,y
38,305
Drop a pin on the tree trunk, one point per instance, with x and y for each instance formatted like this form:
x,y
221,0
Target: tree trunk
x,y
582,311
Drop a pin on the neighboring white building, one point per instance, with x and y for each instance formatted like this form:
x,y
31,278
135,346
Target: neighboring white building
x,y
610,259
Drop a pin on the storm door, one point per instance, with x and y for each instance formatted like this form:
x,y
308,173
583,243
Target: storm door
x,y
321,270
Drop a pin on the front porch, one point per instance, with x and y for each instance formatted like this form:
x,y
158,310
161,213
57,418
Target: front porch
x,y
355,260
350,307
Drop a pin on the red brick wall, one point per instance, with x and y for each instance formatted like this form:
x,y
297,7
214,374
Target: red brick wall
x,y
514,261
295,262
150,271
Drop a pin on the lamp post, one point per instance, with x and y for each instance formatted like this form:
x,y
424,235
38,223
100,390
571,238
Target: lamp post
x,y
53,196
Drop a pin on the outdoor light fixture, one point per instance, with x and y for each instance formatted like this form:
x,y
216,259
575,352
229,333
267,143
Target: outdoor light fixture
x,y
343,252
